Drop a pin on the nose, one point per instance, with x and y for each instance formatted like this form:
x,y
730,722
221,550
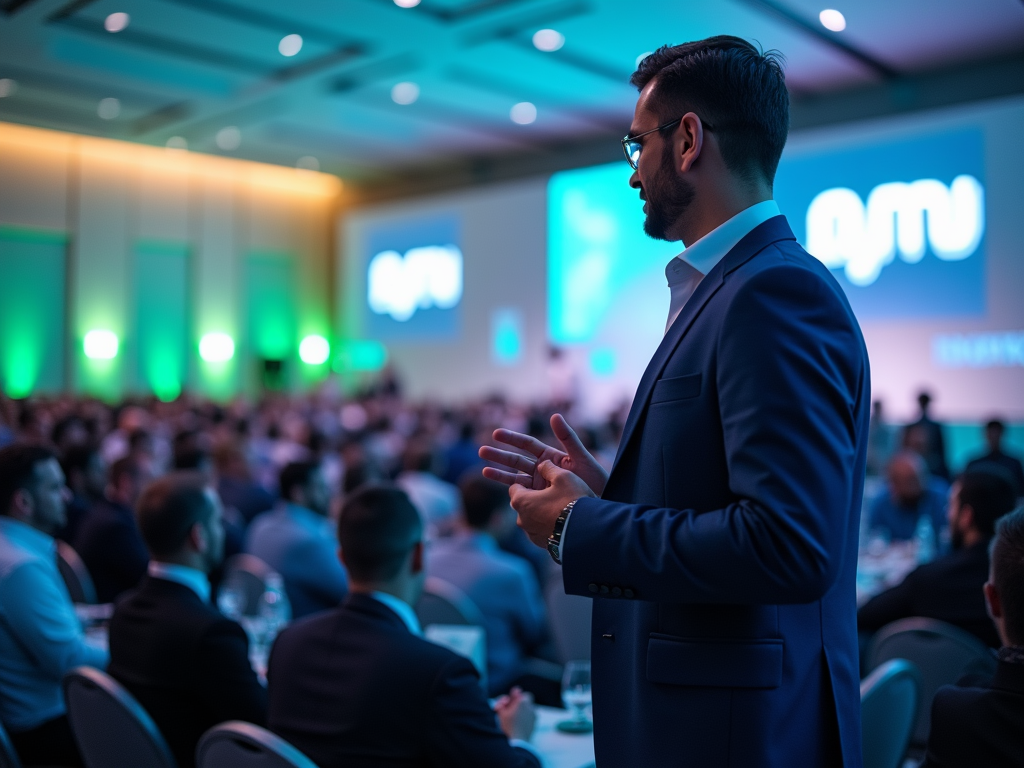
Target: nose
x,y
65,493
634,180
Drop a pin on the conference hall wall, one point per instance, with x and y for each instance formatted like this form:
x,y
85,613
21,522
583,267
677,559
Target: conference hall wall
x,y
134,269
564,261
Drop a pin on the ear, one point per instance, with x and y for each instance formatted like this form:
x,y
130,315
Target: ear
x,y
965,521
417,558
22,505
689,138
198,539
993,601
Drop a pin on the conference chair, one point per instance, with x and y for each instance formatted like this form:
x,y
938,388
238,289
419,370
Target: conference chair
x,y
942,654
246,575
75,574
243,745
8,757
110,727
569,618
444,603
888,707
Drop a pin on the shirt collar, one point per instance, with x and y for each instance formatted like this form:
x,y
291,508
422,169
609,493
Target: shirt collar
x,y
26,536
192,578
402,608
704,254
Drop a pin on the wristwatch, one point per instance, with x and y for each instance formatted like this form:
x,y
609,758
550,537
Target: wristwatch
x,y
555,539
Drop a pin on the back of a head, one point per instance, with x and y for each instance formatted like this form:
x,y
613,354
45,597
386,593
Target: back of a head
x,y
169,507
18,464
481,498
739,90
377,528
1008,573
295,475
127,467
990,492
78,458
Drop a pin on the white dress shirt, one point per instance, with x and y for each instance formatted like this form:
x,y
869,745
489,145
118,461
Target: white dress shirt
x,y
192,578
686,270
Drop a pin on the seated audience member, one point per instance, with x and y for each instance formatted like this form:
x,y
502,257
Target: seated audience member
x,y
40,637
297,541
235,483
436,500
108,538
994,431
983,725
501,585
86,475
949,588
358,687
170,647
910,495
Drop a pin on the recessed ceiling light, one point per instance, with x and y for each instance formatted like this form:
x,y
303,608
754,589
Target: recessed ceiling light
x,y
641,57
177,142
290,45
7,87
832,19
229,138
115,22
405,93
407,3
108,108
523,113
308,163
548,40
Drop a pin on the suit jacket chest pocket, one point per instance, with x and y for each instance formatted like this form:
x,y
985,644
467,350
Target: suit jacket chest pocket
x,y
676,388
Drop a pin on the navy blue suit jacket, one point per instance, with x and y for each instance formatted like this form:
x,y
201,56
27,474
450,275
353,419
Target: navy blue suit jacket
x,y
723,552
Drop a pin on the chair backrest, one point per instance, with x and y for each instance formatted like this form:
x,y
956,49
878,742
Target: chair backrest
x,y
243,745
8,757
888,705
110,726
444,603
569,617
941,652
247,575
75,574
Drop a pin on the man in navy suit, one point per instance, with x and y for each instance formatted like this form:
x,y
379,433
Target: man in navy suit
x,y
722,547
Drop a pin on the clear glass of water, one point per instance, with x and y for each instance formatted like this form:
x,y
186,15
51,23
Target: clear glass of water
x,y
576,695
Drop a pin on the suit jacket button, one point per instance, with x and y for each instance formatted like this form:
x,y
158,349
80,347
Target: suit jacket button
x,y
604,589
616,591
627,592
593,588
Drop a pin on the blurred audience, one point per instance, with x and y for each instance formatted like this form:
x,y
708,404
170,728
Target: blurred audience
x,y
501,585
86,476
983,725
298,541
925,436
359,687
994,431
40,637
170,647
881,440
950,588
436,500
107,537
911,494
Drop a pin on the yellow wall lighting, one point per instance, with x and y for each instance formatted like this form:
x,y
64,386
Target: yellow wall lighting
x,y
100,345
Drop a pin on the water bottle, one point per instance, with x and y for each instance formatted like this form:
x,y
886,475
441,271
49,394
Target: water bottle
x,y
924,535
274,611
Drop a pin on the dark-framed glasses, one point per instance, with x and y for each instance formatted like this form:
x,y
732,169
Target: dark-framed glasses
x,y
632,148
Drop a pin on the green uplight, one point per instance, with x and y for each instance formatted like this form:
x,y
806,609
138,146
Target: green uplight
x,y
314,350
100,345
361,355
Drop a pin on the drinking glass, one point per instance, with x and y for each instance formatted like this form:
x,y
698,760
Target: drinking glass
x,y
576,695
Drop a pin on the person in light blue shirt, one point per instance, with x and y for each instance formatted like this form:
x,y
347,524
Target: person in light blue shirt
x,y
503,586
41,639
298,541
911,494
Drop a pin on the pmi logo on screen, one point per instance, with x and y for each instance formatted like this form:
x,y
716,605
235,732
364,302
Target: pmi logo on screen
x,y
844,233
430,276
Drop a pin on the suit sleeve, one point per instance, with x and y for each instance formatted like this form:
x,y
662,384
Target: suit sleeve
x,y
461,729
230,688
790,364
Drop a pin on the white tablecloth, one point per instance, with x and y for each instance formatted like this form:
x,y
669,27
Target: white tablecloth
x,y
561,750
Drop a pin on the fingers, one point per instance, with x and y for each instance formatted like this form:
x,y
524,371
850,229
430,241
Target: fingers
x,y
507,458
565,434
521,441
549,471
508,478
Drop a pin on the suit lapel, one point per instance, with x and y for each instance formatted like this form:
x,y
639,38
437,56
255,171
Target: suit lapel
x,y
753,242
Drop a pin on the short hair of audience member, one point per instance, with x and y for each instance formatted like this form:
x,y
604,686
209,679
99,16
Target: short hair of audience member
x,y
18,464
990,495
377,528
127,467
481,499
169,507
1007,558
297,474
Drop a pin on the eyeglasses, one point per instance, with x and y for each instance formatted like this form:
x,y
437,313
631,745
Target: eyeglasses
x,y
632,148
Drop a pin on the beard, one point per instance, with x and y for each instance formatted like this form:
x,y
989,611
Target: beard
x,y
668,197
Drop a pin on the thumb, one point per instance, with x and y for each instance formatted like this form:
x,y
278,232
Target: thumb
x,y
549,471
566,436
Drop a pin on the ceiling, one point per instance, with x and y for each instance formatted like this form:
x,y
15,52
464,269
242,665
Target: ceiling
x,y
190,68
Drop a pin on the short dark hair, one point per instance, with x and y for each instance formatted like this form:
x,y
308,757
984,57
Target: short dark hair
x,y
295,475
740,91
169,507
18,464
78,457
990,493
996,424
1008,573
127,466
377,528
481,498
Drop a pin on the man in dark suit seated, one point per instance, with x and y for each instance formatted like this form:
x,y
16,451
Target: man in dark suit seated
x,y
984,725
176,653
949,589
358,687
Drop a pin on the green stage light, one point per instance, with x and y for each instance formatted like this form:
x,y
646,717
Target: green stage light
x,y
100,345
314,350
216,347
